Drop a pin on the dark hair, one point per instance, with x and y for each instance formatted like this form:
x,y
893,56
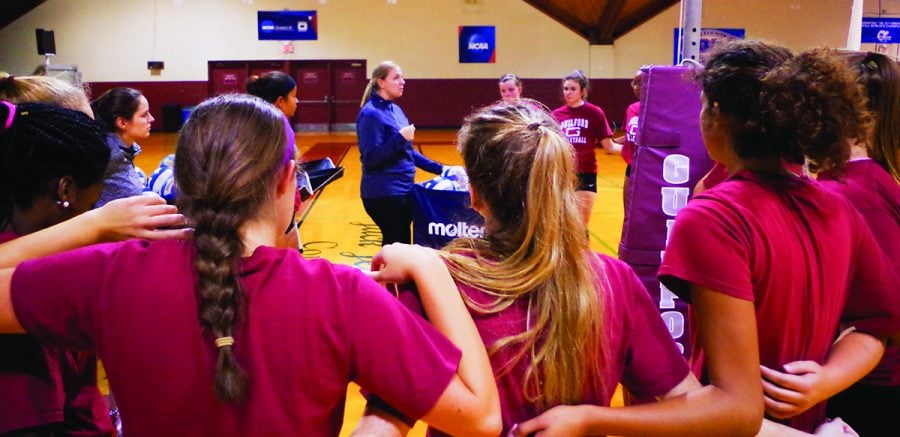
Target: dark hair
x,y
271,86
583,82
509,77
42,144
880,76
114,103
637,82
780,106
227,157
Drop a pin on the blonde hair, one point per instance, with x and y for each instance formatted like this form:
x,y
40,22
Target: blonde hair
x,y
380,72
42,89
534,248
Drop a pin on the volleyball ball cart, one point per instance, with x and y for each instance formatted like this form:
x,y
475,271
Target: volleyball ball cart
x,y
442,211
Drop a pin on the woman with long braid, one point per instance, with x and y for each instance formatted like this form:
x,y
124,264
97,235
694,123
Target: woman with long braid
x,y
225,334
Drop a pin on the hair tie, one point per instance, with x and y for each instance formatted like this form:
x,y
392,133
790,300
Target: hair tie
x,y
534,126
11,116
224,341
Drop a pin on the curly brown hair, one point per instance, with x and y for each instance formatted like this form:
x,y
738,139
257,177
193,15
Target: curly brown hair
x,y
781,106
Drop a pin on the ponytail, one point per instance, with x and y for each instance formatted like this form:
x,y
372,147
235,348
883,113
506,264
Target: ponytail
x,y
779,106
880,77
271,86
523,168
812,105
372,85
114,103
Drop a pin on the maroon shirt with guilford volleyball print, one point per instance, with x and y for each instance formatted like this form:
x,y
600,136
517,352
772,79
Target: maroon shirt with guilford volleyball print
x,y
584,126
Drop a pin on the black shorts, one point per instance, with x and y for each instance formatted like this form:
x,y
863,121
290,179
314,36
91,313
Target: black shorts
x,y
587,182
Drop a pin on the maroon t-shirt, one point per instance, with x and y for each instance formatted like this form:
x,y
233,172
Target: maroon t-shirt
x,y
308,328
640,352
876,196
44,385
632,117
800,253
584,126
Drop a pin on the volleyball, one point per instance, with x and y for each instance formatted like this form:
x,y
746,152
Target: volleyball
x,y
162,182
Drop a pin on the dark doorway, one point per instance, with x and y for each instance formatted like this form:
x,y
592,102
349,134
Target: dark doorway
x,y
329,90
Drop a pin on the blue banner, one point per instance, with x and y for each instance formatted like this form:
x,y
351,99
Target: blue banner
x,y
709,38
439,217
287,25
477,44
881,30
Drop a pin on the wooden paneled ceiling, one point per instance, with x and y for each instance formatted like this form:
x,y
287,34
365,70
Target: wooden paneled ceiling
x,y
601,21
598,21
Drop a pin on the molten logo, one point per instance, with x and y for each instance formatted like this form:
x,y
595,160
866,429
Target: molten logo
x,y
458,229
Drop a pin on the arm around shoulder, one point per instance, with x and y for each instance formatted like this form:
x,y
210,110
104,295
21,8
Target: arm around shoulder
x,y
470,404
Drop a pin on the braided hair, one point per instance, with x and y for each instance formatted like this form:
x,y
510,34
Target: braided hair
x,y
41,143
227,158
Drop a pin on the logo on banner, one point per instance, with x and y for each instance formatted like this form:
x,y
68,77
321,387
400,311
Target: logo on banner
x,y
287,25
477,44
880,30
709,38
454,230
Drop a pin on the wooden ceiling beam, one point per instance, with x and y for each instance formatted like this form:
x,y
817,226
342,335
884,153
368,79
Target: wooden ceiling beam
x,y
641,16
604,32
549,9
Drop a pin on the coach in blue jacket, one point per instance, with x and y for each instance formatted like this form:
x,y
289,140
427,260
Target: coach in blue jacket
x,y
388,158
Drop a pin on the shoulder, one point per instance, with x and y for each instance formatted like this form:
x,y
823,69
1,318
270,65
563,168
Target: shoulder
x,y
615,274
560,112
590,107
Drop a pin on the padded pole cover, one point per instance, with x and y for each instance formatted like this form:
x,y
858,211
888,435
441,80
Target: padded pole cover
x,y
669,160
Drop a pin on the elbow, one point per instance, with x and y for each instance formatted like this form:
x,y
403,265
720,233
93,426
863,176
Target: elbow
x,y
489,426
747,419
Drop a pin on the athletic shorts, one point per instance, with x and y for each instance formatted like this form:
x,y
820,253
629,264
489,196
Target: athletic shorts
x,y
587,182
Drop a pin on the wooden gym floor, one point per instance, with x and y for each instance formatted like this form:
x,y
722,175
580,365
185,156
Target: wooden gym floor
x,y
334,225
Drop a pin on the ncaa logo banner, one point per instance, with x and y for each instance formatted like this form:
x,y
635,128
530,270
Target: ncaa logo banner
x,y
477,45
881,30
287,25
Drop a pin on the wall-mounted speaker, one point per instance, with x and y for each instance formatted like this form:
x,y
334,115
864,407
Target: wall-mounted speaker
x,y
46,44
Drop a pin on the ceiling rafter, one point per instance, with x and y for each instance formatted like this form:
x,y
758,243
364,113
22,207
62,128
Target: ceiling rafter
x,y
601,22
604,31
